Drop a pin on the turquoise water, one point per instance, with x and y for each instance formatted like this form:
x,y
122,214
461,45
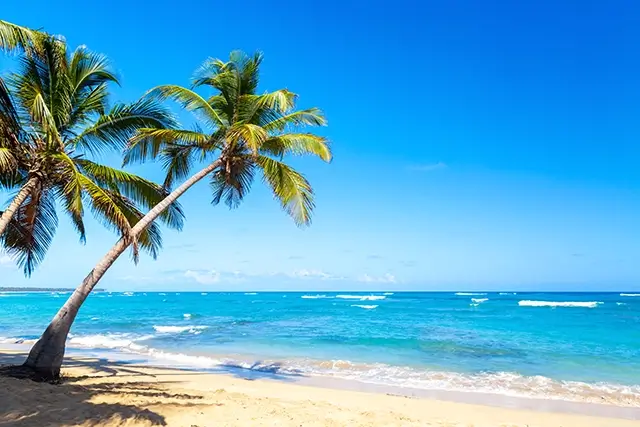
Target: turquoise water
x,y
576,346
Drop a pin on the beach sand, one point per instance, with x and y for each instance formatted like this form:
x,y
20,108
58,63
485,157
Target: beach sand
x,y
105,393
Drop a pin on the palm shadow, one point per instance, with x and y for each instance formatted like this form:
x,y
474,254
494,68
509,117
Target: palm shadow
x,y
25,403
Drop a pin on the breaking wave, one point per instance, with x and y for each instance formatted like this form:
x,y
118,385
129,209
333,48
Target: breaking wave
x,y
584,304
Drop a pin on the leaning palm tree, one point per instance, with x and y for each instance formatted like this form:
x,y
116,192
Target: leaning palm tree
x,y
53,115
246,133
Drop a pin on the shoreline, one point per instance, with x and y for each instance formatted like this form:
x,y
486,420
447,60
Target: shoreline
x,y
472,397
100,392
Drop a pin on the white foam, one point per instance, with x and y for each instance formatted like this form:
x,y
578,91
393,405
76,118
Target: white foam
x,y
95,318
187,315
466,294
621,303
12,340
630,295
251,293
584,304
505,383
314,296
479,300
179,329
112,341
508,293
161,293
388,293
128,294
184,359
362,297
366,307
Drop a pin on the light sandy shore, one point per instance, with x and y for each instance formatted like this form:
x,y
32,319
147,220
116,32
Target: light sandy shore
x,y
99,393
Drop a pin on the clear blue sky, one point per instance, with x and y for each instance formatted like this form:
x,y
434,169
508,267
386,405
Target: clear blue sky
x,y
478,144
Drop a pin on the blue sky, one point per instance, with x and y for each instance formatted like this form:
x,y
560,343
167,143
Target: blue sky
x,y
478,144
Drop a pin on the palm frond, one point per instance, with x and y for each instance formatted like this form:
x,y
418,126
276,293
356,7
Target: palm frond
x,y
113,130
9,120
148,143
177,161
290,188
140,191
232,180
89,69
258,109
189,100
150,239
105,207
298,144
14,37
7,160
69,186
251,135
31,232
309,117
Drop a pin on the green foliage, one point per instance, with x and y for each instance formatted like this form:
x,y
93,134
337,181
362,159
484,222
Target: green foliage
x,y
54,115
246,132
14,38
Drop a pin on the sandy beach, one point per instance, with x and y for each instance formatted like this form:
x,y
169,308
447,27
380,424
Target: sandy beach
x,y
108,393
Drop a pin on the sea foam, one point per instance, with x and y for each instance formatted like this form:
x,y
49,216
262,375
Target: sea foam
x,y
111,341
362,297
479,300
584,304
179,329
366,307
470,293
630,295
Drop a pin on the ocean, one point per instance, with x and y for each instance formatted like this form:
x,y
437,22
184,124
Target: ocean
x,y
571,346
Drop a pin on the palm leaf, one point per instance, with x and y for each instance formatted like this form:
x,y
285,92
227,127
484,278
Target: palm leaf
x,y
290,188
150,239
113,130
189,100
14,37
298,144
148,142
68,183
105,207
140,191
251,135
7,161
31,232
232,180
309,117
88,69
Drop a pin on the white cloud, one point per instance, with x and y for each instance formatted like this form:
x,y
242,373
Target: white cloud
x,y
210,277
429,167
5,259
310,274
205,278
387,278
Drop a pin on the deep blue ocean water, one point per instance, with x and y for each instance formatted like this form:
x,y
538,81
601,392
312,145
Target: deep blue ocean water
x,y
577,346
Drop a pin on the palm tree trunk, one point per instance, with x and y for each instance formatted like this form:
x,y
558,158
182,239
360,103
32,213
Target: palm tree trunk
x,y
45,358
22,195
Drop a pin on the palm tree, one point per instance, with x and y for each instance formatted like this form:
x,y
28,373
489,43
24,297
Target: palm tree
x,y
52,115
246,133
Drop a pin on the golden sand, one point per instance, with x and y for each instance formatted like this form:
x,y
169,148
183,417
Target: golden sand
x,y
99,393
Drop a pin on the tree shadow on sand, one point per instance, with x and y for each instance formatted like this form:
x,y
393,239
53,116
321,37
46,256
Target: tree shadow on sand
x,y
25,403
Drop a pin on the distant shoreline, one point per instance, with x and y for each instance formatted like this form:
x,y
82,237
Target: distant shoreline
x,y
11,289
